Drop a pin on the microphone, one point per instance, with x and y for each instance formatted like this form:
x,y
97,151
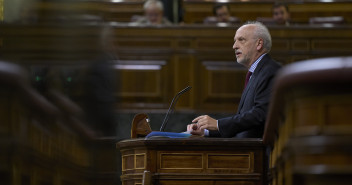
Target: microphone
x,y
171,108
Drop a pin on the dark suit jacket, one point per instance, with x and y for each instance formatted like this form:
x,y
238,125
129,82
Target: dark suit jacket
x,y
252,110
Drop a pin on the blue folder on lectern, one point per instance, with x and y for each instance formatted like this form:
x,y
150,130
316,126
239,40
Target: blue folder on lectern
x,y
168,134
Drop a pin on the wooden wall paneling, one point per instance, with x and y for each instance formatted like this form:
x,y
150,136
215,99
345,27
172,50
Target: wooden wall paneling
x,y
215,42
292,45
141,42
280,50
281,45
141,82
196,11
300,45
183,75
301,12
177,46
40,43
297,57
107,11
249,11
299,48
331,45
218,72
222,84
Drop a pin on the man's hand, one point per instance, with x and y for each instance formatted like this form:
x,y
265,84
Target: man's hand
x,y
193,129
200,123
206,122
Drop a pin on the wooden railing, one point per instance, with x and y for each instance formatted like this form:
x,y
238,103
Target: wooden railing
x,y
309,126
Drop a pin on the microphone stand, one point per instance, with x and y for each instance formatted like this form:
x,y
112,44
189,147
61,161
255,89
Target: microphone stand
x,y
173,102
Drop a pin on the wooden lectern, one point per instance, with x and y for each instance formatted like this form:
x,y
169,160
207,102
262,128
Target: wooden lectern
x,y
196,161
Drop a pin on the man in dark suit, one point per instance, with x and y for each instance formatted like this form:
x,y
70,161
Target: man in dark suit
x,y
252,43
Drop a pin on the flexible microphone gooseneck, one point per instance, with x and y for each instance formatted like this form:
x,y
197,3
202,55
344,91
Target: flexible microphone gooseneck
x,y
171,108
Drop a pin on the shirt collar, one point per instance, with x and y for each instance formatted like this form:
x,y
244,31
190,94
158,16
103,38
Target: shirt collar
x,y
255,64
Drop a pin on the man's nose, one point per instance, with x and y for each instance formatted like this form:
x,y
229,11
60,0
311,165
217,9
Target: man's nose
x,y
234,46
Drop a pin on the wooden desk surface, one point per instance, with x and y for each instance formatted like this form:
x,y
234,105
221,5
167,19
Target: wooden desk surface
x,y
156,142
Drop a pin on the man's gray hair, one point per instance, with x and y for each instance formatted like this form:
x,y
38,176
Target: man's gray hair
x,y
157,3
262,32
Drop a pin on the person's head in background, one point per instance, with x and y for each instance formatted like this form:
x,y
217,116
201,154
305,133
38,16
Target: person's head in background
x,y
154,11
222,12
281,14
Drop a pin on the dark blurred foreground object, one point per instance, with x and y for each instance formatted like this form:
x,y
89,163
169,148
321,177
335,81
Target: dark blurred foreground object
x,y
99,100
43,139
14,80
309,127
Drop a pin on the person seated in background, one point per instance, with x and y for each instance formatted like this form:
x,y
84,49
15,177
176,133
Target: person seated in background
x,y
153,14
221,14
281,14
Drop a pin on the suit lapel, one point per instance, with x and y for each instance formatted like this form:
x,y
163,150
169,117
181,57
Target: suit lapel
x,y
244,93
252,80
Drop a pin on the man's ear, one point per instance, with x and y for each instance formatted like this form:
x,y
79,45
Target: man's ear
x,y
260,44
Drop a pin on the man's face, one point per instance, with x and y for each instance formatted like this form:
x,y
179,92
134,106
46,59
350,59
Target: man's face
x,y
222,14
245,45
154,15
280,15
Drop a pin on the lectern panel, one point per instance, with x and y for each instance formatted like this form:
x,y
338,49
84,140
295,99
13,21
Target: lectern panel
x,y
133,162
181,161
127,162
229,161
